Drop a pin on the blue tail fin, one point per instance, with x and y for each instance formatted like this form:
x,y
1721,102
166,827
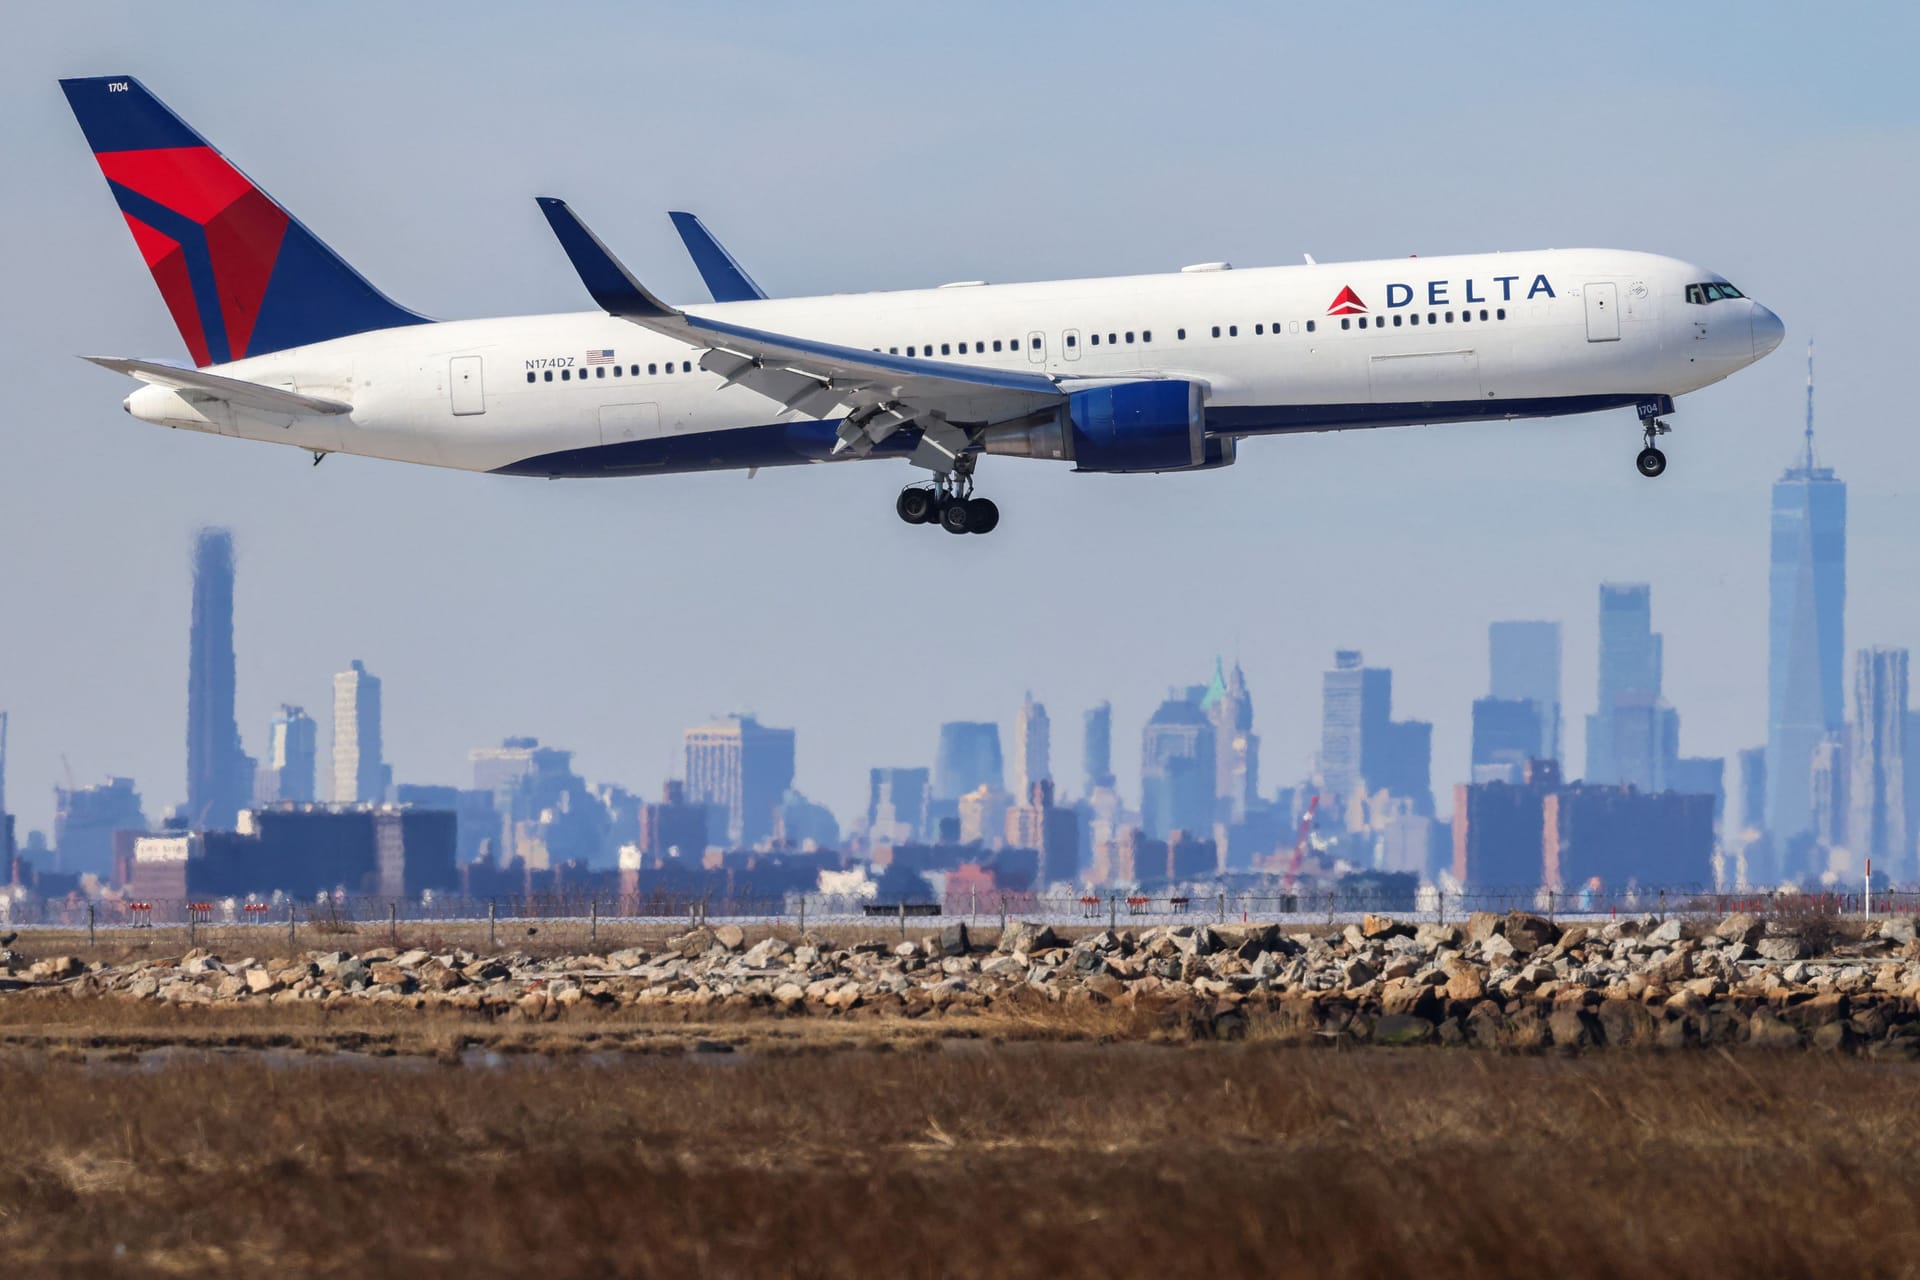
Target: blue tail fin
x,y
240,274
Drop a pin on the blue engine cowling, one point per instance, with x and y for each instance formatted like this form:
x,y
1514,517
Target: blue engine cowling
x,y
1141,426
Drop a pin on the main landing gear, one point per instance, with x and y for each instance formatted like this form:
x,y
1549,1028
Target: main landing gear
x,y
1651,462
949,503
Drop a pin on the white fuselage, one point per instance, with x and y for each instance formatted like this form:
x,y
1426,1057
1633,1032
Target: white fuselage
x,y
1444,339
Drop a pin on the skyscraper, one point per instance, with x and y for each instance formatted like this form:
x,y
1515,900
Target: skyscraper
x,y
1807,598
1236,748
1633,737
1879,825
293,746
1507,733
1177,768
745,768
1362,748
1097,754
1523,660
1032,747
359,775
897,804
219,774
1356,703
968,759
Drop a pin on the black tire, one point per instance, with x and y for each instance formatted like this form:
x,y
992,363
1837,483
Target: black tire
x,y
955,517
1651,462
915,506
982,515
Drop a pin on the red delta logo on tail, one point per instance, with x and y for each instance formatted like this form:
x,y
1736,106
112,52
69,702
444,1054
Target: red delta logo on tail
x,y
242,231
1347,304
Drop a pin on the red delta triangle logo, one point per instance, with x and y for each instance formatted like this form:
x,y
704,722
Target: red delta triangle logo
x,y
1347,304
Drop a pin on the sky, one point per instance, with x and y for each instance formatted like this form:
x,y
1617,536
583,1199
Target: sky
x,y
847,147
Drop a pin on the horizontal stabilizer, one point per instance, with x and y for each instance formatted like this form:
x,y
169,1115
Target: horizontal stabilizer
x,y
235,391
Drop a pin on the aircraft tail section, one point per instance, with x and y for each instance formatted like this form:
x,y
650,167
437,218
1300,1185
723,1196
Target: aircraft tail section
x,y
240,275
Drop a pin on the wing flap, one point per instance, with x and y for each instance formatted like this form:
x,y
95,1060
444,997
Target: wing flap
x,y
234,391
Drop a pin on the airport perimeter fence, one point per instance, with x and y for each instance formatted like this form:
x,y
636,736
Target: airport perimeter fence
x,y
588,923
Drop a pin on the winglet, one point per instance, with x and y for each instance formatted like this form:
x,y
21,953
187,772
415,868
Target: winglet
x,y
726,280
611,284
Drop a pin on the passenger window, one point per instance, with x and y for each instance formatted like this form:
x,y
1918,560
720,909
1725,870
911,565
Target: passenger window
x,y
1259,329
945,350
1113,339
633,370
1414,318
1094,338
566,375
1433,317
1146,335
893,351
653,370
996,344
1465,316
686,366
616,371
1233,331
1180,334
910,350
1309,326
1072,341
529,375
1129,335
979,348
1345,323
549,375
1483,313
1363,322
1449,317
1036,344
1501,314
1216,331
600,372
1396,321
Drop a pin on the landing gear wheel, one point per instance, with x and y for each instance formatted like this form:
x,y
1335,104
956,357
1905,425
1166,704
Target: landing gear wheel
x,y
955,517
982,515
1651,462
915,505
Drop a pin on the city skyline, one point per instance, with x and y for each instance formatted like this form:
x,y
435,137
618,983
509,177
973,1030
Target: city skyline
x,y
1403,545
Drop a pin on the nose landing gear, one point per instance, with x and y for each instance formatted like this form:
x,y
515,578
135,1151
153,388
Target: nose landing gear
x,y
1651,461
949,502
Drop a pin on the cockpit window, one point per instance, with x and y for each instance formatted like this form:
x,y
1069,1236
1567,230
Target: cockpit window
x,y
1711,291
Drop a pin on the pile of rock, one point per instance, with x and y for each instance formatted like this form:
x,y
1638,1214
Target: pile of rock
x,y
1515,980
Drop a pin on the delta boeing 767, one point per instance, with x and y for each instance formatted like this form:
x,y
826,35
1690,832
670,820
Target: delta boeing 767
x,y
1136,374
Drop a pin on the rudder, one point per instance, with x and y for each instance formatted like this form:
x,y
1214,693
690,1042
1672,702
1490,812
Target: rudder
x,y
240,275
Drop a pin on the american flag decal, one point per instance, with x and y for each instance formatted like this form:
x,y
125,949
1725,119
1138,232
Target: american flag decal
x,y
600,357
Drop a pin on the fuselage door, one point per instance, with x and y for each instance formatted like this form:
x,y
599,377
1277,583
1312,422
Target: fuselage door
x,y
1603,311
1070,344
464,385
1037,347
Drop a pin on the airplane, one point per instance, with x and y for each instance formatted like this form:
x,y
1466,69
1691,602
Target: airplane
x,y
1140,374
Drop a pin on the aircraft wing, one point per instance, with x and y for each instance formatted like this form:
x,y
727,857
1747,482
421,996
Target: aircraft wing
x,y
237,391
882,392
726,280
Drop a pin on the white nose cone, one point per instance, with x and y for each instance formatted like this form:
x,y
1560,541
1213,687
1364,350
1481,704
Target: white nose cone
x,y
1768,331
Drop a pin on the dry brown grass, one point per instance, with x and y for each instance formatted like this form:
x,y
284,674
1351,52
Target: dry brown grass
x,y
1009,1160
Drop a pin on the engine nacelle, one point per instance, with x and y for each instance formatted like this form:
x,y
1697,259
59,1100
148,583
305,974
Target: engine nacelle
x,y
1137,426
1134,426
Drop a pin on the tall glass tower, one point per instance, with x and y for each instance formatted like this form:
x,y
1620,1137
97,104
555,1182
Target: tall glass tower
x,y
1808,599
219,774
